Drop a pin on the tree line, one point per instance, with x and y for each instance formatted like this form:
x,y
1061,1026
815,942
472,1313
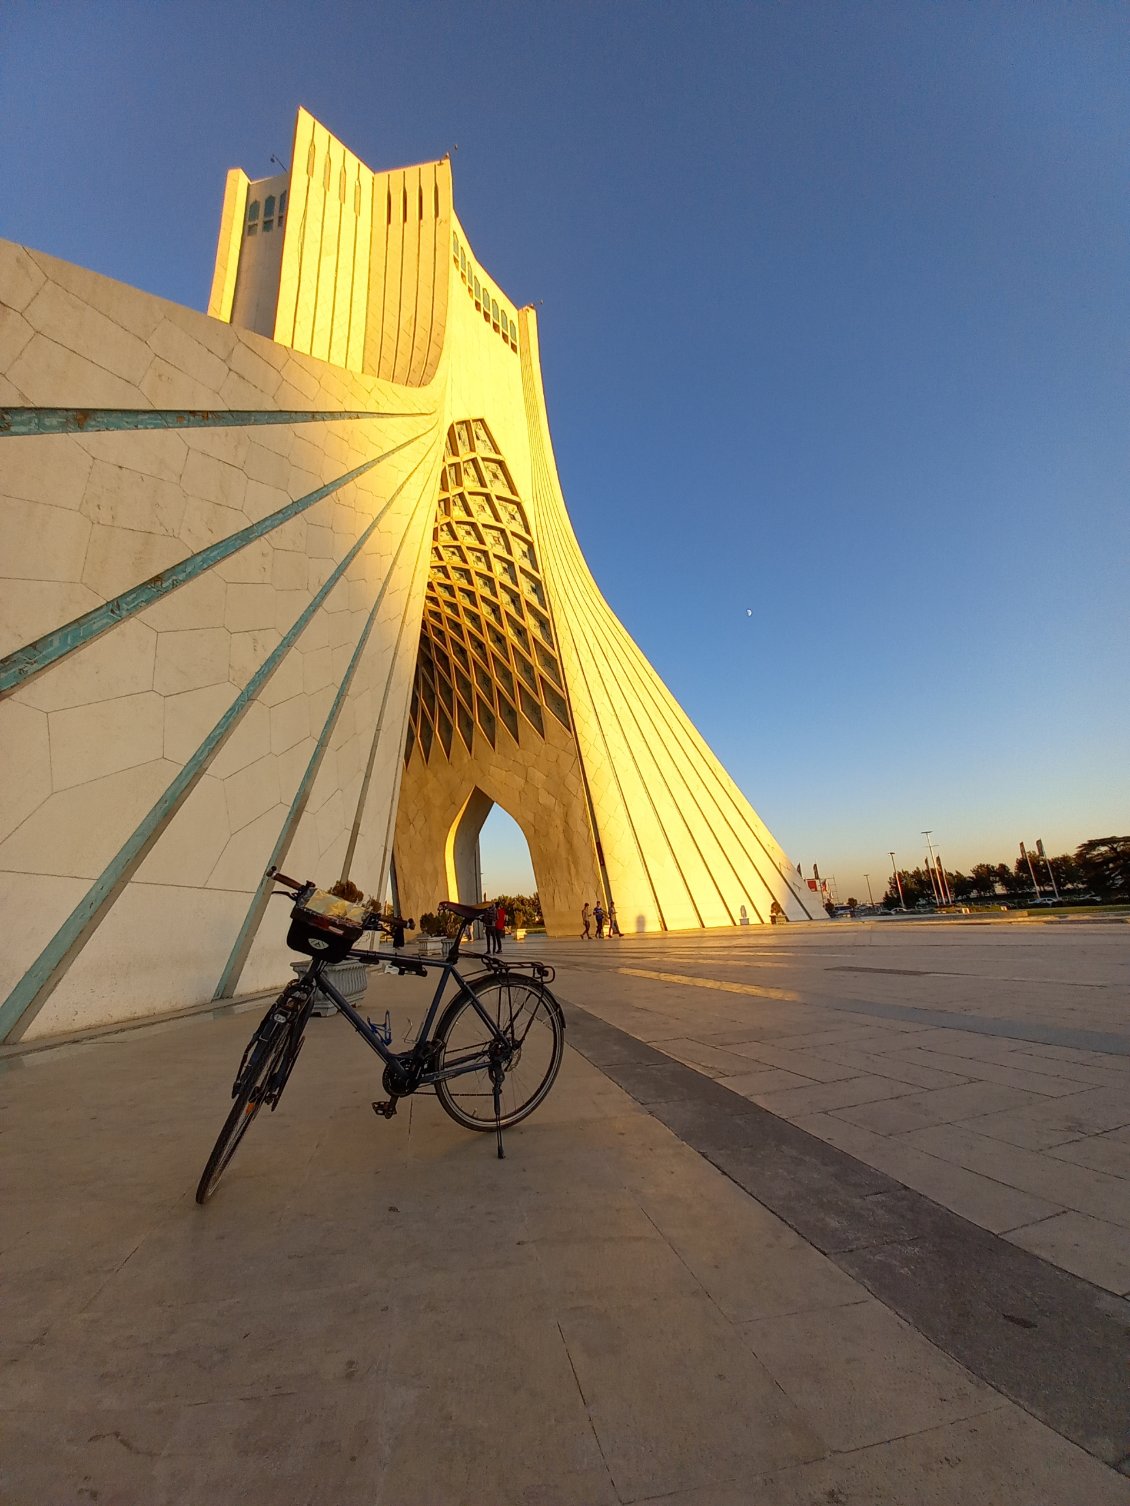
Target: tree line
x,y
1099,867
523,912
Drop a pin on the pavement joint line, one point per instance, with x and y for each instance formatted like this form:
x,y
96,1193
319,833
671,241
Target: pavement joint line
x,y
959,1285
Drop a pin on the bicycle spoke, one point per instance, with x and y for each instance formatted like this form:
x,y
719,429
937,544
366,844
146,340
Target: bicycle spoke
x,y
528,1047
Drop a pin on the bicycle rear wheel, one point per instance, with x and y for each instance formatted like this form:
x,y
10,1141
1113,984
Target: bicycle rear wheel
x,y
263,1074
533,1030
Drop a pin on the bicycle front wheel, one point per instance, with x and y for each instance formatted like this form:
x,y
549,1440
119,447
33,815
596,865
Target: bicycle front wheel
x,y
262,1078
532,1030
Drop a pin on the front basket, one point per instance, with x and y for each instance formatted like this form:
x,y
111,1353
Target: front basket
x,y
328,935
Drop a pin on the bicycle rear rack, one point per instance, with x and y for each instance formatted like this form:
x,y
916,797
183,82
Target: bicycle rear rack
x,y
540,970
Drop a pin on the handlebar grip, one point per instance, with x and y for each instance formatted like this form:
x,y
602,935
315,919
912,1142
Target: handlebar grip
x,y
282,878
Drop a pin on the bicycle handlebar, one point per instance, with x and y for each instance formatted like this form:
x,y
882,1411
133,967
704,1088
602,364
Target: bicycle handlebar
x,y
373,921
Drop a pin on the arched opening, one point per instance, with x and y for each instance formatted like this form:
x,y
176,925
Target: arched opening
x,y
505,865
487,853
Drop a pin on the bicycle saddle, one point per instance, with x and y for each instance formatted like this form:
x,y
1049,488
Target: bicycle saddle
x,y
465,912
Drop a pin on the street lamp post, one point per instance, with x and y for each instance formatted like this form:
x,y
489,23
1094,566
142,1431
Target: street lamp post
x,y
937,872
870,896
898,882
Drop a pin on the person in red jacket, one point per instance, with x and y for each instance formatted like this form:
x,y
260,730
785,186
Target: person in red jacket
x,y
499,929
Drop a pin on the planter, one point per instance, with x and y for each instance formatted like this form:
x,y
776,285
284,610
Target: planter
x,y
351,979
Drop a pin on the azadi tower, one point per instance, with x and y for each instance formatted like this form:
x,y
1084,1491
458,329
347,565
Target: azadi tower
x,y
293,582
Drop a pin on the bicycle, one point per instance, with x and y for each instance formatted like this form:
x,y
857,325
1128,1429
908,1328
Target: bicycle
x,y
500,1038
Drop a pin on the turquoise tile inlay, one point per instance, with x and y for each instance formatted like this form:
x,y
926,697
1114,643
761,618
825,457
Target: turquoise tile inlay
x,y
23,422
398,763
32,659
37,984
229,978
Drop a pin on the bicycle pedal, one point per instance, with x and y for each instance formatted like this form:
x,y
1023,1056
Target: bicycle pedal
x,y
385,1108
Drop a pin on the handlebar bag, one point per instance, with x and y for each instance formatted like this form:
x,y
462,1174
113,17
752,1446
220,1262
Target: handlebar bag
x,y
325,926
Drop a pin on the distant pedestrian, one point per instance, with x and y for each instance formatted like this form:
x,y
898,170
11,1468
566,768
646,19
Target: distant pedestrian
x,y
613,923
499,927
776,914
586,921
598,916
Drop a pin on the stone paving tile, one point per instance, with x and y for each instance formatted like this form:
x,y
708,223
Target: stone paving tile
x,y
936,1106
1092,1248
845,1035
710,1059
803,1063
444,1435
715,1229
978,1198
767,1080
789,1102
863,1375
1098,1152
660,1396
1070,1186
1090,1112
989,1071
904,1071
1100,1060
1097,1077
850,1137
1002,1458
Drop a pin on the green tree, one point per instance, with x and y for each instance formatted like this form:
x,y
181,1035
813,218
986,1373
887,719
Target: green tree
x,y
1068,874
983,880
1104,866
1015,880
522,910
915,887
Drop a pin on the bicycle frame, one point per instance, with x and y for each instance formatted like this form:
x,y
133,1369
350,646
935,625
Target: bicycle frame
x,y
273,1049
370,1034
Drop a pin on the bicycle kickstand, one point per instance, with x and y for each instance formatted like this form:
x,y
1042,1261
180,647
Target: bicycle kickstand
x,y
496,1081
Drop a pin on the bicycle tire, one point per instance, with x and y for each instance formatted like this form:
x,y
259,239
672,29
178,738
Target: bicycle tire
x,y
532,1019
262,1065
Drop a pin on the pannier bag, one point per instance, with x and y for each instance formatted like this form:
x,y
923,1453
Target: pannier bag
x,y
325,926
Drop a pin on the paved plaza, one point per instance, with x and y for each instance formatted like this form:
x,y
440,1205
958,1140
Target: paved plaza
x,y
704,1275
986,1066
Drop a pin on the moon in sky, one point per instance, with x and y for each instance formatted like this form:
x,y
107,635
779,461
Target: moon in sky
x,y
749,611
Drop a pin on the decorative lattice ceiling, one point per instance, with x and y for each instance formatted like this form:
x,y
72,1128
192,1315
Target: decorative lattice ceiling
x,y
487,657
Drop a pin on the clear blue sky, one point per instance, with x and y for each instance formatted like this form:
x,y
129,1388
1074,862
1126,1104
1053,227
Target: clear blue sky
x,y
834,329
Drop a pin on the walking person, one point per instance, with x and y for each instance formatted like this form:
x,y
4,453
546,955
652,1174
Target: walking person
x,y
586,921
613,923
598,916
488,928
499,927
